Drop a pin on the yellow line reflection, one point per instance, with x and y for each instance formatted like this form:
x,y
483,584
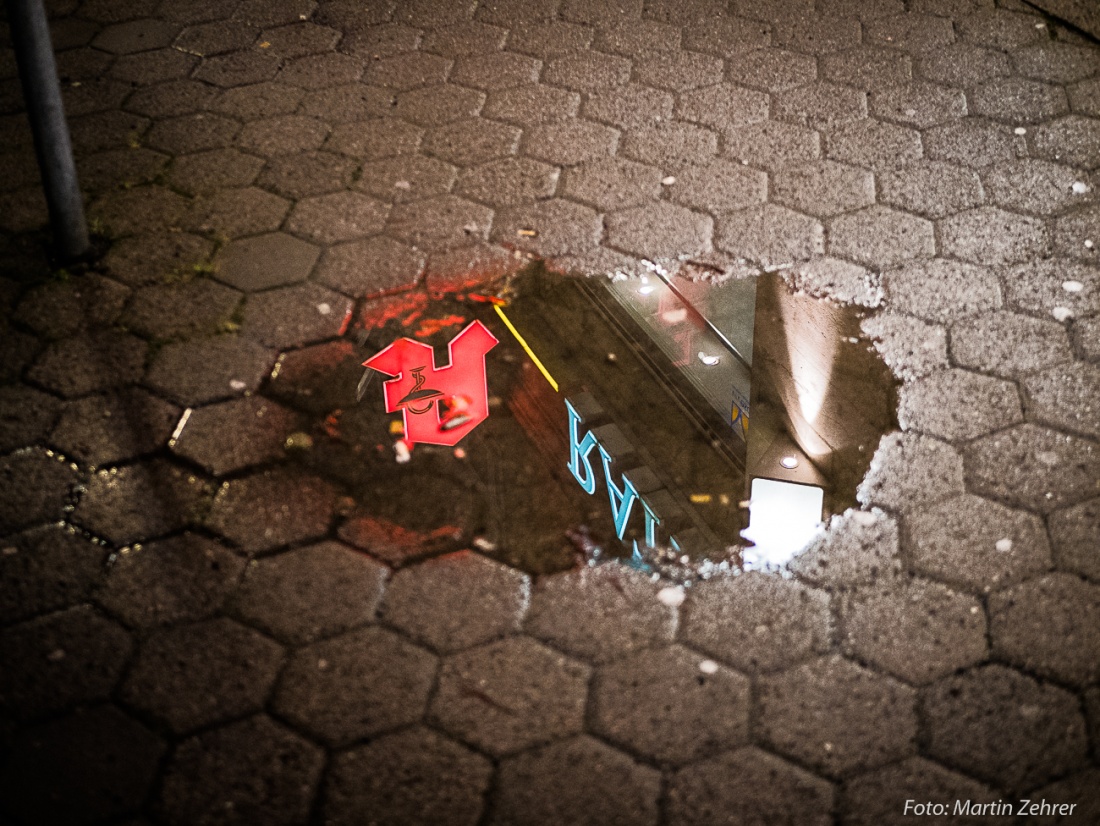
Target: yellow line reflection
x,y
526,347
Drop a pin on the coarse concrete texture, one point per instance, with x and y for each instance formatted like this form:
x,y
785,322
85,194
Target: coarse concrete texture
x,y
210,616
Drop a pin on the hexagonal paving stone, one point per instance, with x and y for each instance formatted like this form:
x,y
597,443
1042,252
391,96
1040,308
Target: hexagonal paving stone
x,y
727,36
858,548
196,372
975,543
669,145
135,36
194,307
438,105
942,290
631,705
677,71
414,777
472,141
773,70
1074,234
659,230
207,172
911,32
867,67
200,674
340,216
570,142
917,632
375,139
1032,186
577,781
407,71
560,227
216,37
272,508
256,770
181,579
60,309
599,614
756,621
292,316
508,182
964,65
911,470
308,173
233,213
238,68
300,39
26,415
406,178
1033,467
265,261
877,797
723,106
146,259
1071,139
824,188
1015,100
456,622
496,70
918,104
510,695
1001,29
114,427
909,346
192,133
881,237
992,236
974,143
873,144
957,405
91,765
820,105
1065,397
1003,727
358,684
440,222
140,502
89,363
1055,62
1009,344
321,70
370,266
59,661
230,436
840,280
634,38
630,105
719,186
612,183
465,38
836,716
311,592
1048,626
759,787
587,71
47,569
1075,532
318,379
931,188
770,235
772,145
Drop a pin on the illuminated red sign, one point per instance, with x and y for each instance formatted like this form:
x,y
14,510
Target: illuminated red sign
x,y
440,404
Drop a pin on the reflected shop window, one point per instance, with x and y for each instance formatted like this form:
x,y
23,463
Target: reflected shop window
x,y
679,425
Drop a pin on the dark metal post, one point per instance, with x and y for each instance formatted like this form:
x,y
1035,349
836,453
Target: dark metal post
x,y
42,93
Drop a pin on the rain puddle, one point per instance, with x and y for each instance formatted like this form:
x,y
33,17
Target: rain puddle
x,y
675,424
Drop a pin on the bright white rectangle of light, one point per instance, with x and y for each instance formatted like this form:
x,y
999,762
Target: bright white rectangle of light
x,y
783,518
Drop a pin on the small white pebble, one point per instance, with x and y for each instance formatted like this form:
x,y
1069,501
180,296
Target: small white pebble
x,y
1080,187
1088,244
668,181
401,449
237,384
324,309
1072,286
1061,313
671,596
1019,130
708,667
1004,545
974,609
483,544
405,185
460,453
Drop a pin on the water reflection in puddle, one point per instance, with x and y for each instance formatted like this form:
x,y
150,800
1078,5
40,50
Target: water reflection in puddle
x,y
684,426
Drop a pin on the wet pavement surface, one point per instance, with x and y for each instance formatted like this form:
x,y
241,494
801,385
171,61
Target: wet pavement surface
x,y
226,601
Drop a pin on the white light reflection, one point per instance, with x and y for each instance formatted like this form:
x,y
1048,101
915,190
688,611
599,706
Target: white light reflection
x,y
783,518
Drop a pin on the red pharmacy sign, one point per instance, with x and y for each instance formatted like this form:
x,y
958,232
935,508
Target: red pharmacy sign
x,y
440,404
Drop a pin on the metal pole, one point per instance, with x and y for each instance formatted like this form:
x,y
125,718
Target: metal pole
x,y
42,93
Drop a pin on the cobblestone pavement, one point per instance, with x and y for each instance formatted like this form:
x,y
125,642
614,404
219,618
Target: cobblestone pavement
x,y
193,631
